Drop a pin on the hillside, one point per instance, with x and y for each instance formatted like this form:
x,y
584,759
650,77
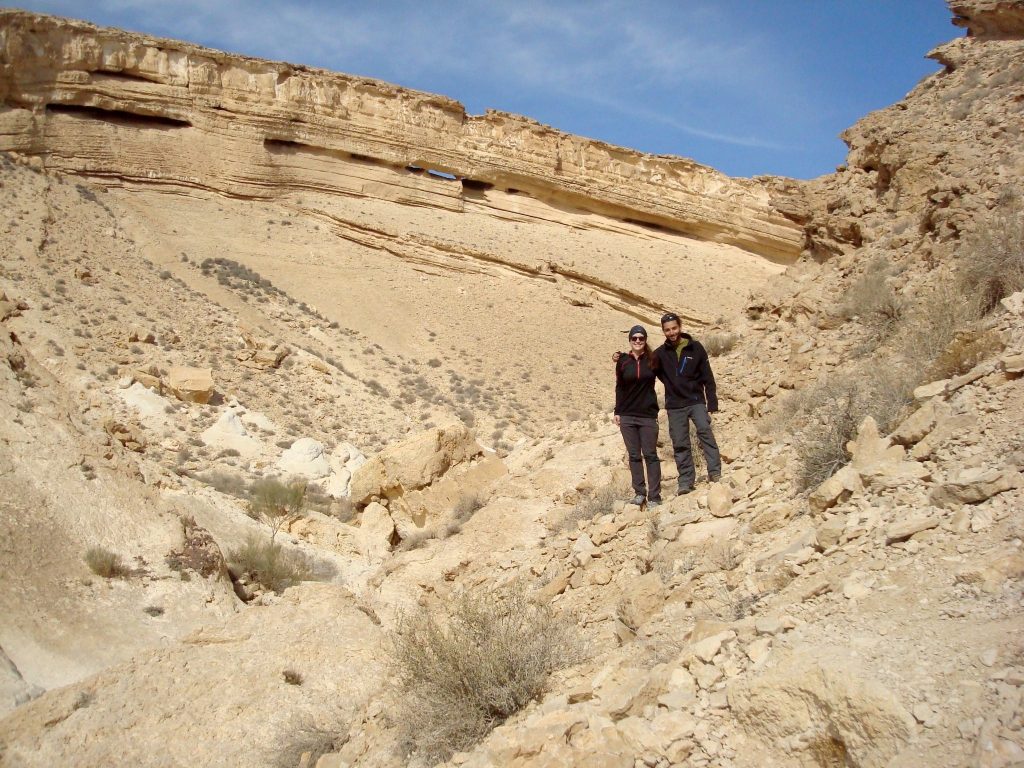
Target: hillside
x,y
216,270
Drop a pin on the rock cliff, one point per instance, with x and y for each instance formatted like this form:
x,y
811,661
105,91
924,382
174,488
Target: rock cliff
x,y
109,103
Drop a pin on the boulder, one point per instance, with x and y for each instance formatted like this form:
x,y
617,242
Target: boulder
x,y
413,463
719,499
835,490
192,385
922,421
826,715
229,432
376,529
879,463
305,458
974,485
126,434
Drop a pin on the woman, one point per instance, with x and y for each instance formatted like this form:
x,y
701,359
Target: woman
x,y
636,415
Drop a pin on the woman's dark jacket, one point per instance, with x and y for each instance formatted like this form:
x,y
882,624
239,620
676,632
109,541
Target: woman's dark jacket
x,y
634,387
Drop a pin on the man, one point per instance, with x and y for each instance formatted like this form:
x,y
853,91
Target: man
x,y
690,395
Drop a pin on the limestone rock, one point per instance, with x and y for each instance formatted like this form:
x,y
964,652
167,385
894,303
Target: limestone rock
x,y
974,485
719,499
305,458
879,463
922,421
376,529
126,434
220,670
229,432
855,716
414,463
237,114
192,385
835,489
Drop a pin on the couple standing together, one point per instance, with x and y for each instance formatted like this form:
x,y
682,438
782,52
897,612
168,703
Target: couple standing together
x,y
684,369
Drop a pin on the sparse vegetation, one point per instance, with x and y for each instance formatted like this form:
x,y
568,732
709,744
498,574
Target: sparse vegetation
x,y
599,502
275,567
277,504
103,562
992,260
720,343
460,674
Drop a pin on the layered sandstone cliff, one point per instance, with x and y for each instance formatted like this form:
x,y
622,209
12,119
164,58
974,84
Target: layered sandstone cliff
x,y
114,104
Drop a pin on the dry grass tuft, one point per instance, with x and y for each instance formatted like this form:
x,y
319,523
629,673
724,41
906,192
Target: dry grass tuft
x,y
992,261
105,563
720,343
600,502
462,673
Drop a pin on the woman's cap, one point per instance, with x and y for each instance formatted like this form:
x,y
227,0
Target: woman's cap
x,y
637,330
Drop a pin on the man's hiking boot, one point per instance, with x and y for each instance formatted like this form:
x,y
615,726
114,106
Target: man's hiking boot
x,y
714,477
684,489
638,500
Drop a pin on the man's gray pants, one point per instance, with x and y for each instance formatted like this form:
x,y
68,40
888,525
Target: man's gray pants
x,y
641,438
679,430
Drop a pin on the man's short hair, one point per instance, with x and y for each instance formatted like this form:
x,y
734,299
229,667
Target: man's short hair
x,y
669,317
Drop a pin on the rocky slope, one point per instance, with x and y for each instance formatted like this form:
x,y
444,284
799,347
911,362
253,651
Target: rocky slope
x,y
873,619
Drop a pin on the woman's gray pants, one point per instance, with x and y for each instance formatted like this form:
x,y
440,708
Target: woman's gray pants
x,y
640,434
679,430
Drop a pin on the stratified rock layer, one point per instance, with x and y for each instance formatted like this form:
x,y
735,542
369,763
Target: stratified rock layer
x,y
110,103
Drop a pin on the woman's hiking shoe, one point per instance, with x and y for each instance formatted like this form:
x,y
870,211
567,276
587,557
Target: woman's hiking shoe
x,y
638,500
652,503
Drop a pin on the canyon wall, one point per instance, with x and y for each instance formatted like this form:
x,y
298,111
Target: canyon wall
x,y
109,103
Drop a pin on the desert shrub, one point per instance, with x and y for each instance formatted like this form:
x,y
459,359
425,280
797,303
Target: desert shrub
x,y
872,300
225,482
599,502
105,563
966,350
275,567
992,260
720,343
460,674
277,504
827,416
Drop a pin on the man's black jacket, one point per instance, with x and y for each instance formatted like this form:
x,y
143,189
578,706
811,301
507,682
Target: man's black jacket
x,y
688,379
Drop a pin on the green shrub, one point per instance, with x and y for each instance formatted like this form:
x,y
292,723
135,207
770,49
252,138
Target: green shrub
x,y
105,563
460,674
277,504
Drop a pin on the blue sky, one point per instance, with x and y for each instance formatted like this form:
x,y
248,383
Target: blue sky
x,y
746,86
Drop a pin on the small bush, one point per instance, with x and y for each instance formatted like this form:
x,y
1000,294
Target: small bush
x,y
965,351
992,261
460,674
831,412
276,504
224,482
872,300
719,343
271,565
598,503
105,563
